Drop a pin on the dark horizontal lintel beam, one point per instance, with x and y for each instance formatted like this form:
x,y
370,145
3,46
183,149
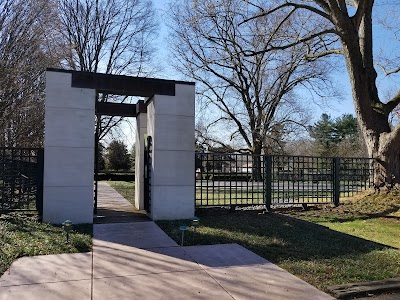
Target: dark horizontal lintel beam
x,y
123,85
116,109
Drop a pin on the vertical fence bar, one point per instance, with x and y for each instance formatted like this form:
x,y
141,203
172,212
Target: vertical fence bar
x,y
245,170
96,166
371,172
208,171
203,170
12,177
237,189
20,178
147,173
268,182
336,181
3,185
260,190
149,170
208,178
39,182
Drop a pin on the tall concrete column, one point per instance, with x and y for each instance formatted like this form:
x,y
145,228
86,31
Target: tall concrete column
x,y
141,130
171,124
69,151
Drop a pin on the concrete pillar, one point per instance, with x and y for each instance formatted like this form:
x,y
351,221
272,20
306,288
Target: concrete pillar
x,y
69,151
170,122
141,130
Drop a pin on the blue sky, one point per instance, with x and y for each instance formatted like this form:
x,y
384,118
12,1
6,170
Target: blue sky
x,y
341,79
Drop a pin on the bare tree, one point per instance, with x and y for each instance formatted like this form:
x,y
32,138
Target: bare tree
x,y
252,97
108,36
351,22
25,53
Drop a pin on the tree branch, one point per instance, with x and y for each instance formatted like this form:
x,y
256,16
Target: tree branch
x,y
207,139
363,5
392,104
396,70
314,56
324,5
222,105
289,4
299,41
351,3
342,6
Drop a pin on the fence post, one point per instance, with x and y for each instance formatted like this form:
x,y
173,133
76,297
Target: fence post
x,y
147,173
39,181
268,181
336,181
96,166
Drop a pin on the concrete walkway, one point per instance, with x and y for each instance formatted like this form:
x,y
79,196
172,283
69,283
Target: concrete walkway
x,y
113,208
139,261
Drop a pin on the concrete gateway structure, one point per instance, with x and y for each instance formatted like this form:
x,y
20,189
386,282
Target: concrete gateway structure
x,y
167,116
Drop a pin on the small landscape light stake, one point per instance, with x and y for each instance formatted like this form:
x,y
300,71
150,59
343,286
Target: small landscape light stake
x,y
195,223
183,229
67,226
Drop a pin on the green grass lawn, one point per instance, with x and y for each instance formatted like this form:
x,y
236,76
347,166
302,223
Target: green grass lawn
x,y
338,252
125,189
375,218
22,235
380,230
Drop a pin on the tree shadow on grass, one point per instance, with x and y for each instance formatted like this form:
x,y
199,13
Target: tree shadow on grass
x,y
273,236
20,222
322,214
28,236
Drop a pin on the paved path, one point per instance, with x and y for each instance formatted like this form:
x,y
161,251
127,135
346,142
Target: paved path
x,y
113,208
108,198
139,261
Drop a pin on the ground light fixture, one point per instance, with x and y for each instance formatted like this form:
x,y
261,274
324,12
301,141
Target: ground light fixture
x,y
183,229
67,226
195,223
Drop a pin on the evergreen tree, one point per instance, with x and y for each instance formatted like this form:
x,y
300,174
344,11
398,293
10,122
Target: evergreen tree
x,y
323,133
338,137
118,156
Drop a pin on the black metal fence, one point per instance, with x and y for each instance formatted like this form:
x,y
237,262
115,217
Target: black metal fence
x,y
21,179
226,179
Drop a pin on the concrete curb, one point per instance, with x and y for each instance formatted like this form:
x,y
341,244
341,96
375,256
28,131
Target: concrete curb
x,y
358,289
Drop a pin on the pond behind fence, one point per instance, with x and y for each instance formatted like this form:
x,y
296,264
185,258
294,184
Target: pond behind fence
x,y
230,179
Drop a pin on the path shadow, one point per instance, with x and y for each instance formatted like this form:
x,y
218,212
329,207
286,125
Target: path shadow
x,y
119,215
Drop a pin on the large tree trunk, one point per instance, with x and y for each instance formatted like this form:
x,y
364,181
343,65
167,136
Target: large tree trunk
x,y
387,162
383,143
